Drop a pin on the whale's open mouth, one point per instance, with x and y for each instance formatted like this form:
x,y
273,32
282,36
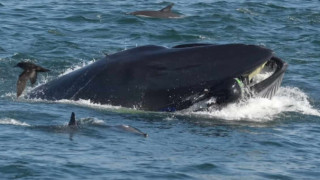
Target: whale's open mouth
x,y
266,80
263,81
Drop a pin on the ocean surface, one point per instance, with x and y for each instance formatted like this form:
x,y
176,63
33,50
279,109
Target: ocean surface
x,y
256,139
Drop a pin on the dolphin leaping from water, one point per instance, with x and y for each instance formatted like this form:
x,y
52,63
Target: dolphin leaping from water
x,y
163,13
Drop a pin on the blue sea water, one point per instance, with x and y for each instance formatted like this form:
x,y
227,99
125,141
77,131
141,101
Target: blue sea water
x,y
256,139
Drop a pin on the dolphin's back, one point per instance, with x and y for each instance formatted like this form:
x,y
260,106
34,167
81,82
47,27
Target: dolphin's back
x,y
156,14
163,13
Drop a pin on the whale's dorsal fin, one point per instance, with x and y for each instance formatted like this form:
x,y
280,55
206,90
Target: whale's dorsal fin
x,y
72,121
168,8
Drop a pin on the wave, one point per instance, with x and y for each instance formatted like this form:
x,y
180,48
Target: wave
x,y
76,67
91,121
80,18
2,50
43,79
83,122
9,121
88,103
256,109
287,99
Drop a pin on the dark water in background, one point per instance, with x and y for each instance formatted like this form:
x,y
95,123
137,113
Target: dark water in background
x,y
258,139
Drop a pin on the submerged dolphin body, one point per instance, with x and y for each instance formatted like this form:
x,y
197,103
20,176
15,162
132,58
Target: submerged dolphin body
x,y
163,13
74,124
130,129
157,78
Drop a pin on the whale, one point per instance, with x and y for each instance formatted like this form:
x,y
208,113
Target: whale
x,y
163,13
158,78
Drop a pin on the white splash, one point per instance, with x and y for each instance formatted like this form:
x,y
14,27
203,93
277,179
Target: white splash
x,y
202,37
88,103
76,67
261,76
170,118
13,122
287,99
44,79
246,11
92,121
9,95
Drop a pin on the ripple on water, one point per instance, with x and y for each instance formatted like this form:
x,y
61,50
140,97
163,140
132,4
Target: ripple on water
x,y
78,18
171,175
271,143
130,20
2,50
55,32
287,99
238,141
15,170
204,167
274,175
9,121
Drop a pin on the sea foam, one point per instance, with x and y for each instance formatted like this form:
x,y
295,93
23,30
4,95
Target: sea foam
x,y
10,121
287,99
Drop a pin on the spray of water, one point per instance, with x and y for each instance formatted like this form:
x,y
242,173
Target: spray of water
x,y
76,67
258,109
10,121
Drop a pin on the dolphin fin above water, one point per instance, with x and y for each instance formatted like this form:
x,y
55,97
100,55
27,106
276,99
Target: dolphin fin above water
x,y
168,8
72,121
163,13
74,124
29,73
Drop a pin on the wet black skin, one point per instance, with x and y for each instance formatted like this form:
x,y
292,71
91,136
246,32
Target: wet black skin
x,y
157,78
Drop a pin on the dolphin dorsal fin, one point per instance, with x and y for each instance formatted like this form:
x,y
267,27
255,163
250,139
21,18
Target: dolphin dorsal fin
x,y
168,8
72,121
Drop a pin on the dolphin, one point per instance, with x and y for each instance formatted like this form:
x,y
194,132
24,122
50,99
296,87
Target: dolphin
x,y
73,125
29,73
73,122
163,13
131,129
